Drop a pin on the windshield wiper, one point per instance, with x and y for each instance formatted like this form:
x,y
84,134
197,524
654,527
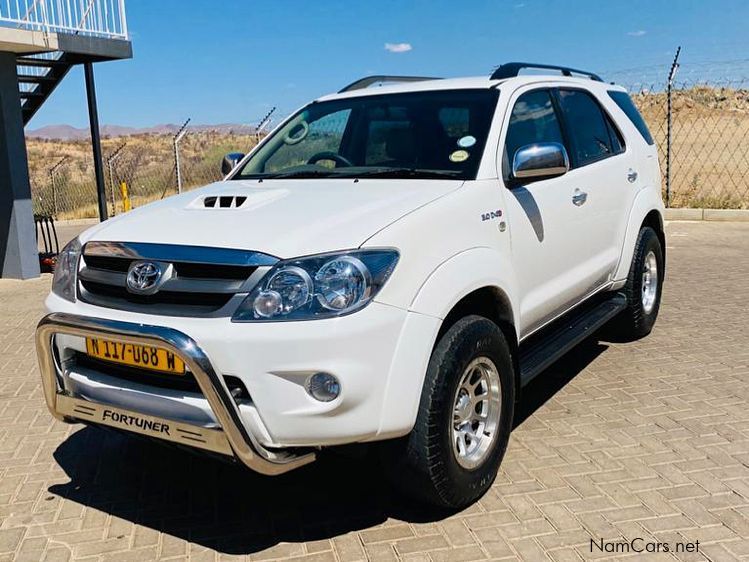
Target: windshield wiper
x,y
397,173
293,174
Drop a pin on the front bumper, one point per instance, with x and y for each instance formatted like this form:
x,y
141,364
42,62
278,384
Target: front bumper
x,y
379,354
231,438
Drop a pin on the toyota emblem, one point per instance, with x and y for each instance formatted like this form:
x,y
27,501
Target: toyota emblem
x,y
145,277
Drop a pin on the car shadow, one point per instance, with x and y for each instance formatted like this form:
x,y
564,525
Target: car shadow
x,y
227,508
221,505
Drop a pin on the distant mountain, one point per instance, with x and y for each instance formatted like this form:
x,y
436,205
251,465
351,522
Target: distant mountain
x,y
66,132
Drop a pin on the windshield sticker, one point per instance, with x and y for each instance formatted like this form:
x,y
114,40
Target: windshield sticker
x,y
459,156
467,141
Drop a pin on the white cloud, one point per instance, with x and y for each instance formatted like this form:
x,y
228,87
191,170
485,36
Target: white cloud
x,y
638,33
398,47
519,5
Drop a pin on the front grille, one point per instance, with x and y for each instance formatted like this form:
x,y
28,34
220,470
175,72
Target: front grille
x,y
210,300
199,281
109,263
184,269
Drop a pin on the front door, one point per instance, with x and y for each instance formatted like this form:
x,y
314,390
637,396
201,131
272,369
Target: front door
x,y
550,248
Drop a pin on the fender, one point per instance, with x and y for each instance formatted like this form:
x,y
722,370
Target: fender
x,y
452,280
462,274
648,199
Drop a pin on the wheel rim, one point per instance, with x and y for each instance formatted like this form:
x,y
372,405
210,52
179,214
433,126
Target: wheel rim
x,y
476,410
649,282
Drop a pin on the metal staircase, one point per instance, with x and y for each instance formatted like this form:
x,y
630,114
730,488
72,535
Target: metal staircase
x,y
40,40
50,36
38,76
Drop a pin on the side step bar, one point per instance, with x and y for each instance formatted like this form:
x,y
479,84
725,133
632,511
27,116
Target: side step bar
x,y
542,349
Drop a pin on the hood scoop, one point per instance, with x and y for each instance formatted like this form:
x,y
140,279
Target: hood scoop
x,y
221,202
227,201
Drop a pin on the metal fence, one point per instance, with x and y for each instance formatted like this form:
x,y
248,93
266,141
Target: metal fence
x,y
708,160
138,170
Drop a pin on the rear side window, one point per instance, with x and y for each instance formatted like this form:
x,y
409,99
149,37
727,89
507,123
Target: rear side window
x,y
533,120
593,136
625,103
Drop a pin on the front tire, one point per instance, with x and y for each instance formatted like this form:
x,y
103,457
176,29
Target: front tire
x,y
452,456
643,289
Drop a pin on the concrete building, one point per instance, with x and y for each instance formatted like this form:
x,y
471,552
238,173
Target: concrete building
x,y
40,41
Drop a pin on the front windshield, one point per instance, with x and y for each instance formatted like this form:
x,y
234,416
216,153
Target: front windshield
x,y
433,134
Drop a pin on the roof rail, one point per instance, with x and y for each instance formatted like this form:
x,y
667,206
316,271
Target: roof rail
x,y
367,81
512,69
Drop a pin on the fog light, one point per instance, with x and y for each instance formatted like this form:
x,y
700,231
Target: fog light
x,y
323,387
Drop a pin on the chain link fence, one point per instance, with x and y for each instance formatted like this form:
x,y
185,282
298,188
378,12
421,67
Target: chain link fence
x,y
709,156
138,169
708,163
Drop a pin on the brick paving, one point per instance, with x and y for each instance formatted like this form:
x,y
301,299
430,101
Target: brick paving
x,y
614,442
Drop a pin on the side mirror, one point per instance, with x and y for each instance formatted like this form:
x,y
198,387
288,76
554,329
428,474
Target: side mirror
x,y
230,161
540,161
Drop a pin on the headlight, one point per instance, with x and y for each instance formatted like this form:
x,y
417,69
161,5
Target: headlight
x,y
66,270
321,286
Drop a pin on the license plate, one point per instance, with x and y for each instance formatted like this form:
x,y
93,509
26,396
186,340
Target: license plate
x,y
143,356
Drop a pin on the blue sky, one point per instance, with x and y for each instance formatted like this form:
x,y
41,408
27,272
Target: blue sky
x,y
231,61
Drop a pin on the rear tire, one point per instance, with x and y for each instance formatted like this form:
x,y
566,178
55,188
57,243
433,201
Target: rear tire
x,y
452,456
643,289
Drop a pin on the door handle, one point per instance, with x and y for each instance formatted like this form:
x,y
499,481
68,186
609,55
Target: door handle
x,y
579,197
631,176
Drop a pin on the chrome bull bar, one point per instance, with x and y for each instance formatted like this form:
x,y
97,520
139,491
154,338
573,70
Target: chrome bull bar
x,y
232,438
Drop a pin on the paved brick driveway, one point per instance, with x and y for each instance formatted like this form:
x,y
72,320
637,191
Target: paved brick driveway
x,y
616,441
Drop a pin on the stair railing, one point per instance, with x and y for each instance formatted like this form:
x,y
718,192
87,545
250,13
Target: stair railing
x,y
100,18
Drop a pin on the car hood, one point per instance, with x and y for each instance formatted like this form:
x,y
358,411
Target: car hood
x,y
284,218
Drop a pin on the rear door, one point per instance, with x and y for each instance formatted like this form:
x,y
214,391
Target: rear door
x,y
603,172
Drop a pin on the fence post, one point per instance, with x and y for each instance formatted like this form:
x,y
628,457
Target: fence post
x,y
126,205
54,193
671,74
110,164
52,178
263,122
177,169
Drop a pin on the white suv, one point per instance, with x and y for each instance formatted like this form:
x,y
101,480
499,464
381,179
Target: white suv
x,y
391,264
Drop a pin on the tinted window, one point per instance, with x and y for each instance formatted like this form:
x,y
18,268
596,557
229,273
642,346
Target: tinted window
x,y
324,134
617,142
532,120
587,125
384,127
628,107
455,121
432,133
